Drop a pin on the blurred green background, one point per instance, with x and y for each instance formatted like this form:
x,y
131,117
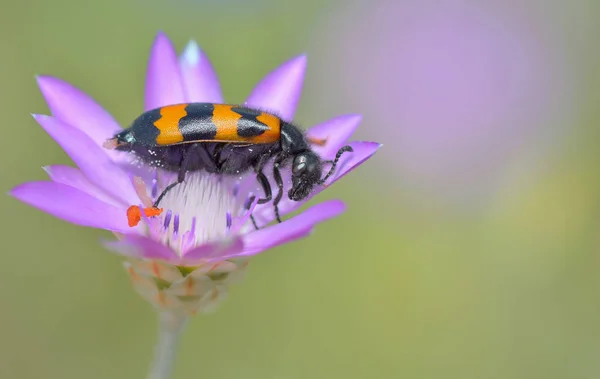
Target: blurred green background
x,y
406,284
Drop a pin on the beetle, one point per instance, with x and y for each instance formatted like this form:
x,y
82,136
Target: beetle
x,y
225,139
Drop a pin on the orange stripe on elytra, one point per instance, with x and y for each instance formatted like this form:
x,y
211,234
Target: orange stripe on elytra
x,y
226,122
168,124
271,135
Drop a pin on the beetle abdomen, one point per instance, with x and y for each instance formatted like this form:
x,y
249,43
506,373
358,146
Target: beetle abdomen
x,y
205,122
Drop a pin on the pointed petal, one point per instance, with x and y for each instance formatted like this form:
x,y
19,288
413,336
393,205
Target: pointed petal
x,y
200,81
75,178
280,91
213,250
136,246
292,229
335,132
363,150
348,162
72,205
74,107
90,158
163,78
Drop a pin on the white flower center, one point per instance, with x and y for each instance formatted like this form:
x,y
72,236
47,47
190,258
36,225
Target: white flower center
x,y
199,210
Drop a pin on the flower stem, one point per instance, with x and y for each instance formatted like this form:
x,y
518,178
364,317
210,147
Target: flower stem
x,y
170,326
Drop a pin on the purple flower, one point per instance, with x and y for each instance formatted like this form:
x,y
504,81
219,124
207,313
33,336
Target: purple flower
x,y
184,257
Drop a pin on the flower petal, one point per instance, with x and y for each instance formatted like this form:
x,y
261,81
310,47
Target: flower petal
x,y
348,162
213,250
200,81
72,205
335,132
90,158
137,246
292,229
280,91
363,150
74,107
163,78
75,178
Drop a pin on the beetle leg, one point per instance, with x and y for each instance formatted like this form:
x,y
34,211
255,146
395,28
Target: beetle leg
x,y
267,188
264,182
248,206
164,192
279,182
217,156
262,179
180,177
253,222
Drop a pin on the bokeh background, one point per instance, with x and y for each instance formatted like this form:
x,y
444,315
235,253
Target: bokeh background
x,y
471,245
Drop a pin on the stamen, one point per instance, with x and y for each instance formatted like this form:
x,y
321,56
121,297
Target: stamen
x,y
236,189
176,224
249,201
155,184
141,191
187,241
167,219
241,220
229,220
193,229
201,210
134,214
144,217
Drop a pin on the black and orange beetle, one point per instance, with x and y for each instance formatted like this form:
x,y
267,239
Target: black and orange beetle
x,y
225,139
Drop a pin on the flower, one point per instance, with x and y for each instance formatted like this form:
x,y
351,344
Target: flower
x,y
184,258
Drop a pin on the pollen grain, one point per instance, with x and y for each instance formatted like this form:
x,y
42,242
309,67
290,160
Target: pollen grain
x,y
134,214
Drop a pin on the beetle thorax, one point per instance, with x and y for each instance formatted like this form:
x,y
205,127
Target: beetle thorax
x,y
292,140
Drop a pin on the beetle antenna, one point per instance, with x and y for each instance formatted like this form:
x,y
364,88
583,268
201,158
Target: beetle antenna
x,y
335,161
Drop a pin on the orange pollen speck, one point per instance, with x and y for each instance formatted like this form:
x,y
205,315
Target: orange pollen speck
x,y
317,141
111,144
134,214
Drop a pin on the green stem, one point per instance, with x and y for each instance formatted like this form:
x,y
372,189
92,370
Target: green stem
x,y
170,326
